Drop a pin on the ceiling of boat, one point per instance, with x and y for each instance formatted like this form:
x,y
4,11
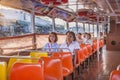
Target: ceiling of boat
x,y
108,7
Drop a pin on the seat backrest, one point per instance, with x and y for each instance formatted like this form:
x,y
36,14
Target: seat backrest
x,y
52,68
67,60
67,63
89,47
101,43
38,55
94,46
115,75
3,75
13,60
82,45
85,51
81,55
27,71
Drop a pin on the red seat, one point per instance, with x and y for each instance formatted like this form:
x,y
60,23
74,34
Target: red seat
x,y
86,53
81,56
82,45
94,47
67,64
101,43
115,75
52,68
89,47
27,71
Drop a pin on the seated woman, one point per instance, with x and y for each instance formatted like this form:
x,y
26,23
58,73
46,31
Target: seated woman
x,y
70,43
84,35
52,45
88,39
79,38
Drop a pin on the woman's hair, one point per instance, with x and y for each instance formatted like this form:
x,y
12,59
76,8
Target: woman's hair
x,y
72,33
55,34
79,33
89,35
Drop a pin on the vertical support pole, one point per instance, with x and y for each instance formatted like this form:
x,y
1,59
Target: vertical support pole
x,y
98,37
53,24
93,30
67,24
77,21
89,27
77,26
84,27
33,28
108,27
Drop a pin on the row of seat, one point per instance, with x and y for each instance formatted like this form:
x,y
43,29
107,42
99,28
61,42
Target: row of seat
x,y
56,67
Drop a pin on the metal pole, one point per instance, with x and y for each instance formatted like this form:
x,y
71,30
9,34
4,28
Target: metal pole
x,y
53,23
33,28
77,21
77,26
89,27
93,30
84,27
108,27
67,24
98,37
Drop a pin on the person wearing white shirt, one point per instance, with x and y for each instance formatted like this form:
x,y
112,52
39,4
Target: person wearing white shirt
x,y
88,39
70,44
79,38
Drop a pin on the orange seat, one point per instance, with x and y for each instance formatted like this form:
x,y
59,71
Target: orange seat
x,y
86,53
115,75
67,64
13,60
81,56
27,71
89,48
101,43
52,68
77,60
82,45
94,46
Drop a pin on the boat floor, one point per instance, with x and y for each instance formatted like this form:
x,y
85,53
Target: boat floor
x,y
100,70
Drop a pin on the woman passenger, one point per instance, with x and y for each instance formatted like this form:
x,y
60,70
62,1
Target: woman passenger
x,y
70,43
89,39
52,45
79,38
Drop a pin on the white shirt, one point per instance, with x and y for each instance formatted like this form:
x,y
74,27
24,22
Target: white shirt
x,y
84,40
89,41
74,45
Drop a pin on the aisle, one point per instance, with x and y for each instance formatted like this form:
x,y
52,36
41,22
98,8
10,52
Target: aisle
x,y
101,70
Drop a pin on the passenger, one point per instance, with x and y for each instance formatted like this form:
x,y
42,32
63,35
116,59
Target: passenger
x,y
88,39
70,43
84,38
52,45
79,38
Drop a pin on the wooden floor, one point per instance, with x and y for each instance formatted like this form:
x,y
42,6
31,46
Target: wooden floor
x,y
100,70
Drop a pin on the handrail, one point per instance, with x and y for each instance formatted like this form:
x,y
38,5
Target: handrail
x,y
19,57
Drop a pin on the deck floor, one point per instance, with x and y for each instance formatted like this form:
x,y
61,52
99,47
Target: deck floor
x,y
100,70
